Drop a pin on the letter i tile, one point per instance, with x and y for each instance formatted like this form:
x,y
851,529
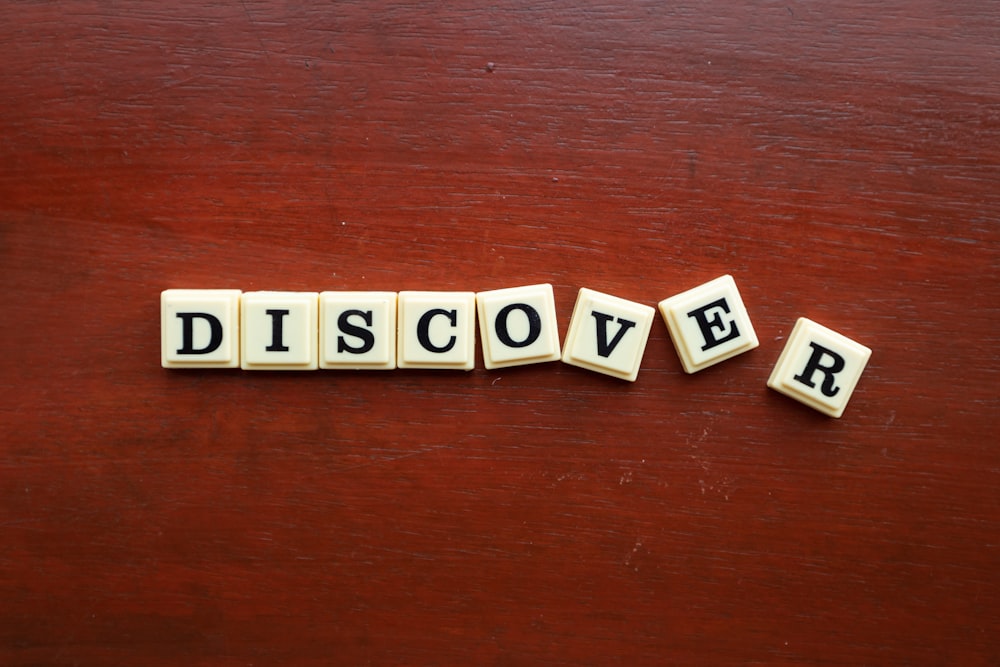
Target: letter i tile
x,y
280,331
200,328
607,334
708,324
819,367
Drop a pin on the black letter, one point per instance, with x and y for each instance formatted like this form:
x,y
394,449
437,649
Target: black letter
x,y
187,332
603,347
534,325
706,325
365,335
277,317
829,371
424,325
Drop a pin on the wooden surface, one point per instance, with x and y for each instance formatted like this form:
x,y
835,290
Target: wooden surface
x,y
841,162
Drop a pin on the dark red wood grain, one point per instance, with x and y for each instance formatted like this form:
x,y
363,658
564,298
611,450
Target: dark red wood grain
x,y
842,162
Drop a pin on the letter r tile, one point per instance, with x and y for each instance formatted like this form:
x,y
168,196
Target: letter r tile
x,y
607,334
819,367
200,328
708,324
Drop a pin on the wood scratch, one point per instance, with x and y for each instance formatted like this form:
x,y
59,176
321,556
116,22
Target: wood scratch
x,y
256,31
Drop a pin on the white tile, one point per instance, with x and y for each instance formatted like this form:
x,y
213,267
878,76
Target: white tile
x,y
518,326
608,334
436,330
200,328
280,331
708,324
357,330
819,367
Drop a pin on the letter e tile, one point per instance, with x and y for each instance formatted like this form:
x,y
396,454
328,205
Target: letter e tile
x,y
708,324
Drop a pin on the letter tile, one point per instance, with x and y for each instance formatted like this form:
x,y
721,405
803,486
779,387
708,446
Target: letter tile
x,y
200,328
708,324
357,330
280,331
436,330
819,367
607,334
518,326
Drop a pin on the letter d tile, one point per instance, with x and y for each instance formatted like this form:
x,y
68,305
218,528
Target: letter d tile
x,y
200,328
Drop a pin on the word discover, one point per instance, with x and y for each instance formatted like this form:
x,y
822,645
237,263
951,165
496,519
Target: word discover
x,y
206,328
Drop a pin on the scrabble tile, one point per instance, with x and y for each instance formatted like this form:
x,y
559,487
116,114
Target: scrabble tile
x,y
200,328
708,324
357,330
436,330
607,334
819,367
280,331
518,326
